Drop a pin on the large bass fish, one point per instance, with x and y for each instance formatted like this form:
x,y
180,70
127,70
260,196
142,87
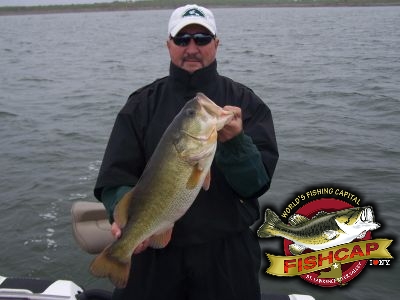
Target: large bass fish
x,y
172,179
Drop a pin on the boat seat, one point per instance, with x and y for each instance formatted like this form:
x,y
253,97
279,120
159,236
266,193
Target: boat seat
x,y
90,226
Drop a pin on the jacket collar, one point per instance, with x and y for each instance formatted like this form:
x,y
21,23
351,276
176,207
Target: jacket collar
x,y
197,80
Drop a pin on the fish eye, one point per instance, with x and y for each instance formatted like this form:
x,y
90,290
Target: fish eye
x,y
190,112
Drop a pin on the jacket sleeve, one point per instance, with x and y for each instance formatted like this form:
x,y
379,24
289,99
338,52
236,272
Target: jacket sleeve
x,y
248,161
240,161
123,160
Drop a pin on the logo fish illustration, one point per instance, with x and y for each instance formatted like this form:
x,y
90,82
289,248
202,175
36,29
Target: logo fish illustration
x,y
323,231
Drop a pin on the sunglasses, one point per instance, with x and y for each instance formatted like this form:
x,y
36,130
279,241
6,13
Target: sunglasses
x,y
200,39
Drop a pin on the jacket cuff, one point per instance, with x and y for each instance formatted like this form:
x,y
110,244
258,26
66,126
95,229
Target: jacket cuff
x,y
110,197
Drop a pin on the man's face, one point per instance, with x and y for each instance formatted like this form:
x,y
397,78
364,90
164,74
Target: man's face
x,y
193,57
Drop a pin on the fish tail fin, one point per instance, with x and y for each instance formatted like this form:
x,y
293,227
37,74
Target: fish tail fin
x,y
268,228
106,265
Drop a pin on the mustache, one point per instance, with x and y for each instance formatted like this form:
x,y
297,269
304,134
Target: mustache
x,y
192,57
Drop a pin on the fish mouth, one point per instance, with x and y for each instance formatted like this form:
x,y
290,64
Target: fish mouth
x,y
367,215
223,116
210,107
202,138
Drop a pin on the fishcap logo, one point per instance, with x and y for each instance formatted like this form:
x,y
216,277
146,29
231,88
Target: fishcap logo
x,y
327,241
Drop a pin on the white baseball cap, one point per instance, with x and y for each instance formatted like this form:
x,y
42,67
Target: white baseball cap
x,y
191,14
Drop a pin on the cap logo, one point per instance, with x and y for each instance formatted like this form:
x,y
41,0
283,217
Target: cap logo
x,y
194,12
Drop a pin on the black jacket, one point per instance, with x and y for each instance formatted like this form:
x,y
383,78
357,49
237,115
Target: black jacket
x,y
141,123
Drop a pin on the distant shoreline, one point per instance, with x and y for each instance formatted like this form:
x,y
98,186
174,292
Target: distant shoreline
x,y
129,6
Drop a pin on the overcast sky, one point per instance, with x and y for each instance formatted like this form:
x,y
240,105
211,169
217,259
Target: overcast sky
x,y
46,2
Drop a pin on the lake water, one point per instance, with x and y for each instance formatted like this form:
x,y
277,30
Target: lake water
x,y
331,77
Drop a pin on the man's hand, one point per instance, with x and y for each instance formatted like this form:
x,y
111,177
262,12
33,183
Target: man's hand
x,y
116,232
234,127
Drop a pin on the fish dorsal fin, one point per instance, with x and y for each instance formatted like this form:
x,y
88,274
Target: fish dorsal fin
x,y
161,240
297,219
320,214
122,208
296,249
330,234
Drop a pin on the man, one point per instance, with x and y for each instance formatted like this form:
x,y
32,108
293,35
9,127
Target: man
x,y
212,254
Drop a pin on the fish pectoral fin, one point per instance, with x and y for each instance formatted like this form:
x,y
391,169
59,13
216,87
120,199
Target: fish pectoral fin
x,y
330,234
160,240
207,181
296,219
296,249
361,235
201,165
122,208
195,176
